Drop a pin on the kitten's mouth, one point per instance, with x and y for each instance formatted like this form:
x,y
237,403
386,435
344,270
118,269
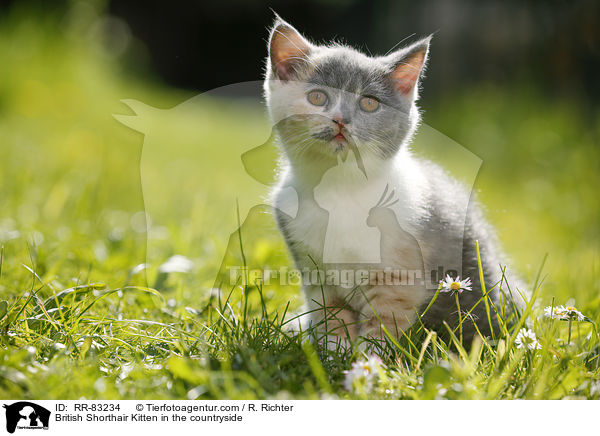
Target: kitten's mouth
x,y
339,137
341,141
338,140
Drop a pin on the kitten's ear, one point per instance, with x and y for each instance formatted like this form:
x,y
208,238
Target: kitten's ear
x,y
288,50
408,65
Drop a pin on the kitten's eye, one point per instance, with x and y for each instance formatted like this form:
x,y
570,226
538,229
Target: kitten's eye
x,y
368,104
318,98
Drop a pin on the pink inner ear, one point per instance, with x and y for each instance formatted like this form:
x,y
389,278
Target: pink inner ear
x,y
405,75
287,47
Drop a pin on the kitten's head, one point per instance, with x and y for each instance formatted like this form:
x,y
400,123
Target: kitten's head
x,y
325,99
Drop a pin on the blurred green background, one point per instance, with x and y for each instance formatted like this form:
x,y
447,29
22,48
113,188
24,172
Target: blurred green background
x,y
71,203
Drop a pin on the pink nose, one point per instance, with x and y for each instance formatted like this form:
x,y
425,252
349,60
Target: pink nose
x,y
339,121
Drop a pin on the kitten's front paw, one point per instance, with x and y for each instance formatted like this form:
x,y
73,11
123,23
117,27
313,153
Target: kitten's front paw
x,y
395,326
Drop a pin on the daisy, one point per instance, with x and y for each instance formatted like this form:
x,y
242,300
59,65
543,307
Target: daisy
x,y
553,312
526,339
569,313
564,313
455,285
572,313
363,374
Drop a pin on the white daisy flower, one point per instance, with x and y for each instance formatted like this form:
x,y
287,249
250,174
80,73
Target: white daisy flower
x,y
564,313
455,285
176,263
526,338
553,312
572,313
363,375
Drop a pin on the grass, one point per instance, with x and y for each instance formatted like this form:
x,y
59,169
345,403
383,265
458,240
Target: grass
x,y
80,318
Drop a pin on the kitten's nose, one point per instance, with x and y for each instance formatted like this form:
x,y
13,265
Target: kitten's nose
x,y
341,121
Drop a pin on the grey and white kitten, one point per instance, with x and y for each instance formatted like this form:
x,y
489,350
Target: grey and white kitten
x,y
353,202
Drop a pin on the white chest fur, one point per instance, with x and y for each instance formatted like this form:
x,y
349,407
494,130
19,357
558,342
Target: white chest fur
x,y
332,223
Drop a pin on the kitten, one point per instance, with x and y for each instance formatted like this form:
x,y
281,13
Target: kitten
x,y
374,228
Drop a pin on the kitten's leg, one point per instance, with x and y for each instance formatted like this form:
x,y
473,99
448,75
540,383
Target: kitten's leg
x,y
393,306
335,317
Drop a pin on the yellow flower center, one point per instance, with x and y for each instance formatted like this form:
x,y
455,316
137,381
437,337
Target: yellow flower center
x,y
455,286
571,309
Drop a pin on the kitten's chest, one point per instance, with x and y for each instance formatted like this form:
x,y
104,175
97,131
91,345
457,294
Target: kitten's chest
x,y
307,229
330,223
349,239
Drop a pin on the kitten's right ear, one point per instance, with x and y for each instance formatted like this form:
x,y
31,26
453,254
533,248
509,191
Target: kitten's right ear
x,y
288,50
407,66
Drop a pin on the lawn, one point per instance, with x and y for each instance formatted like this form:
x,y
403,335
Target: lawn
x,y
91,211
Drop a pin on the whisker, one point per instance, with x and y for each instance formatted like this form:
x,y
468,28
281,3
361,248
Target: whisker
x,y
398,43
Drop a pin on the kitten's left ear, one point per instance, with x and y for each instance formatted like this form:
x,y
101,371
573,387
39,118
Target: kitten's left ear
x,y
288,50
408,65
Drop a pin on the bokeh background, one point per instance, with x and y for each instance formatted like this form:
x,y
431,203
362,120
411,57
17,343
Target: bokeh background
x,y
514,82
